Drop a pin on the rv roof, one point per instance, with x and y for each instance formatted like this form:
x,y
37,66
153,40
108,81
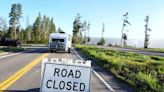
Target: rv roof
x,y
58,35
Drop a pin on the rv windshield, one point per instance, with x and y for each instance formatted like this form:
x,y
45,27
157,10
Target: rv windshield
x,y
54,40
61,40
57,40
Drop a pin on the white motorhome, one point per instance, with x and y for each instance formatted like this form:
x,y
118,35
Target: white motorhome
x,y
59,42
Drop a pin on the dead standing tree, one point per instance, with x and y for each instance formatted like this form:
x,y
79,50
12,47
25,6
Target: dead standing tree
x,y
146,42
102,40
124,34
86,34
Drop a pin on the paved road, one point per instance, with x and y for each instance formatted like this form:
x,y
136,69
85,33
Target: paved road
x,y
30,81
134,50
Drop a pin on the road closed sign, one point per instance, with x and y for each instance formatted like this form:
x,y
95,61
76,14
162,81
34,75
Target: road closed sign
x,y
64,76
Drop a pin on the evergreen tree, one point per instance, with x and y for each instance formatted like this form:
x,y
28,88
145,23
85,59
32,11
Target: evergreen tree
x,y
78,28
60,30
28,30
15,15
47,28
29,33
37,29
43,28
25,36
3,26
52,27
1,23
22,36
10,32
32,36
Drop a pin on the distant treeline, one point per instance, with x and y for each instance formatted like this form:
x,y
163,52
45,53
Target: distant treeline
x,y
38,32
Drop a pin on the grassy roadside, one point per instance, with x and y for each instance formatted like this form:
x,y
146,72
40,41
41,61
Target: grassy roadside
x,y
145,73
153,49
146,49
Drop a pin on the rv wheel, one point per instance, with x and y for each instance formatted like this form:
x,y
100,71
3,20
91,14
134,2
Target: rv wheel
x,y
69,50
50,51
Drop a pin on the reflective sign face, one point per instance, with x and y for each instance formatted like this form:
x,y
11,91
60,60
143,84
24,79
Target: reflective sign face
x,y
65,78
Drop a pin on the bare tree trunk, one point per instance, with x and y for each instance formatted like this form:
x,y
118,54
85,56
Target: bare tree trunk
x,y
146,40
122,35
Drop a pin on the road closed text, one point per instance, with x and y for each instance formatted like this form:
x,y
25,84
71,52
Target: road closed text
x,y
65,78
66,85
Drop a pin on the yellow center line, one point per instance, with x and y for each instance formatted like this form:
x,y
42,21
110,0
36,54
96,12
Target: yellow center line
x,y
5,84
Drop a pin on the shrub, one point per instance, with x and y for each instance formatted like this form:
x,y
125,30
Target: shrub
x,y
101,42
147,82
110,44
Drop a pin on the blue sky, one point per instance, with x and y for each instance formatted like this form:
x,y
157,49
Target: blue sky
x,y
96,12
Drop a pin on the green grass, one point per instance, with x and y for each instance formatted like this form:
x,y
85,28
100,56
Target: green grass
x,y
147,49
153,49
11,49
158,59
145,73
1,51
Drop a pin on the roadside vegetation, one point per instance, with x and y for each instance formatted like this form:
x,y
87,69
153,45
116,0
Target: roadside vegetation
x,y
144,73
147,49
152,49
11,49
132,47
80,31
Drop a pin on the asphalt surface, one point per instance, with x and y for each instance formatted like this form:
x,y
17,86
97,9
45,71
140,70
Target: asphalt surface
x,y
31,81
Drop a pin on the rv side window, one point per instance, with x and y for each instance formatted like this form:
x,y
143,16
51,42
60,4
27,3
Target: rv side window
x,y
61,40
55,40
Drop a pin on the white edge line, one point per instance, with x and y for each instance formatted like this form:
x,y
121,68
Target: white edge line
x,y
102,80
9,55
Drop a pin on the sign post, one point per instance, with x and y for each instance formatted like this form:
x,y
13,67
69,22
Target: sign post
x,y
65,75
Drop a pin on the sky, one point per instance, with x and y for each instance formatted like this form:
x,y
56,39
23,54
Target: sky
x,y
97,12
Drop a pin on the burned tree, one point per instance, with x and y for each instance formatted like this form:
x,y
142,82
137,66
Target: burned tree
x,y
102,40
86,34
147,36
124,35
